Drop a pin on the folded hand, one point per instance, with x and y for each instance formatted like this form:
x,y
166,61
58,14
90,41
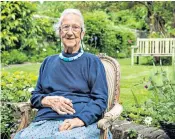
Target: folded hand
x,y
68,124
59,104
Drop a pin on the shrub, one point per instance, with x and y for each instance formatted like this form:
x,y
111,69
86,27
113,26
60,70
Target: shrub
x,y
46,29
134,18
18,30
13,57
121,55
161,104
91,50
40,54
159,60
97,24
15,87
103,35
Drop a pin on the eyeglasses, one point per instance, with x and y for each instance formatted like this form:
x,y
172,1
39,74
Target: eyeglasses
x,y
75,28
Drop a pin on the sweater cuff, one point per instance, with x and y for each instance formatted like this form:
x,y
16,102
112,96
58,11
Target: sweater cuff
x,y
83,119
40,104
87,120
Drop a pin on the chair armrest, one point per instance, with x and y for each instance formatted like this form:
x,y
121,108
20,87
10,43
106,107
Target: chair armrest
x,y
110,117
24,108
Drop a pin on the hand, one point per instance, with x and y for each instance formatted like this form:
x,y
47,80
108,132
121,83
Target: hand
x,y
59,104
68,124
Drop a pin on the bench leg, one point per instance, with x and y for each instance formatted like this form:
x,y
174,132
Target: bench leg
x,y
137,59
132,57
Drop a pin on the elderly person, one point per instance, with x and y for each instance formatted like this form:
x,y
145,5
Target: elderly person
x,y
71,93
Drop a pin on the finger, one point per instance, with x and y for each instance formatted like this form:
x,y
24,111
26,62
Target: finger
x,y
58,111
65,110
64,126
67,120
61,128
70,127
68,102
68,109
61,112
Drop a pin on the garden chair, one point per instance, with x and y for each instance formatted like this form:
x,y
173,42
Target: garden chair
x,y
113,110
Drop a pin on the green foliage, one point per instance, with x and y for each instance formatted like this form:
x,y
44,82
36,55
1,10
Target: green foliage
x,y
132,134
110,22
161,104
134,18
8,122
17,28
120,41
35,55
15,87
91,50
42,52
97,25
165,12
121,55
13,57
109,39
45,28
23,34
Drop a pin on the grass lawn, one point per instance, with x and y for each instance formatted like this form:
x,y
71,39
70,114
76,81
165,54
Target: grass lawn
x,y
130,75
28,67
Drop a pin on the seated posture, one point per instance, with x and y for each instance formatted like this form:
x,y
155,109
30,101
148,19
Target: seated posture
x,y
71,92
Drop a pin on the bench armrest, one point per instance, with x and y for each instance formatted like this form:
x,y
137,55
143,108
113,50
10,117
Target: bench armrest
x,y
110,117
132,47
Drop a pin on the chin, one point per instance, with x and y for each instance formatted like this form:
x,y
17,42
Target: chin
x,y
70,46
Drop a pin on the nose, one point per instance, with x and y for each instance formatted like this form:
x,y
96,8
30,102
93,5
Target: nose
x,y
70,31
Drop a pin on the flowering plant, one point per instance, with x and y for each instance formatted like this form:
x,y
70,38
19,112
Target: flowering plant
x,y
161,104
15,87
148,120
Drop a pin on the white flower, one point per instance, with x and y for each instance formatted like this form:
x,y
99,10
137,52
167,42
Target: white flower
x,y
140,136
118,51
30,89
44,49
148,121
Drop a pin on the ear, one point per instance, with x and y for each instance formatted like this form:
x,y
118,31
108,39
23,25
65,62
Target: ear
x,y
59,32
82,35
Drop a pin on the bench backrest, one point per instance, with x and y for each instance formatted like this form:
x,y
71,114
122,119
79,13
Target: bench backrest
x,y
156,46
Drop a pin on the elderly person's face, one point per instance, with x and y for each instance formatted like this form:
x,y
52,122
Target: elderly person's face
x,y
71,33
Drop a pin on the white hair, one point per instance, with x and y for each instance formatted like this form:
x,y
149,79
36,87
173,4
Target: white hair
x,y
71,11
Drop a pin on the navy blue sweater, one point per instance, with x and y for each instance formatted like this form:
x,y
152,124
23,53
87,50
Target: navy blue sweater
x,y
83,81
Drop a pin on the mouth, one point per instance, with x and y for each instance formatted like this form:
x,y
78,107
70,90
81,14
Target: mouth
x,y
70,38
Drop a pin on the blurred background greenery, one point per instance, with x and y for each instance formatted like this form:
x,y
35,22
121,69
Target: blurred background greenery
x,y
27,28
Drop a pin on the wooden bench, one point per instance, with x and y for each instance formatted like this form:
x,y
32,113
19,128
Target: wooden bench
x,y
153,47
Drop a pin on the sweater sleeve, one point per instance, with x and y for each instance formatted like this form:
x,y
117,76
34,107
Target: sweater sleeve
x,y
38,94
99,94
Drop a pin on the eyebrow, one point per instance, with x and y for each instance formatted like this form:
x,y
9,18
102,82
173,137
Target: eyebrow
x,y
71,24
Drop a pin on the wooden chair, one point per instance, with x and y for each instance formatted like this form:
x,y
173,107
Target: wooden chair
x,y
113,110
